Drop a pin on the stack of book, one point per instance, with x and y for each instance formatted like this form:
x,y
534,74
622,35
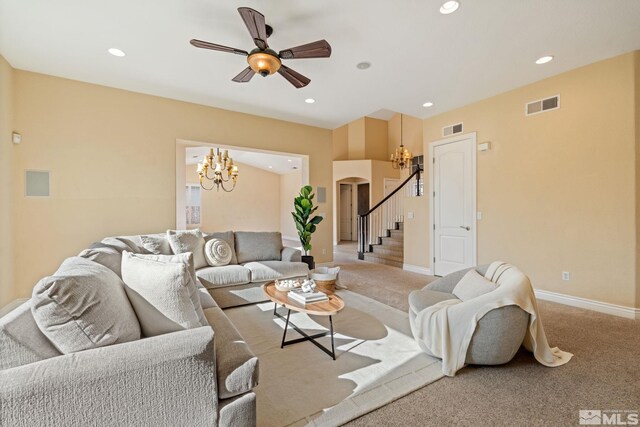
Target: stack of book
x,y
307,297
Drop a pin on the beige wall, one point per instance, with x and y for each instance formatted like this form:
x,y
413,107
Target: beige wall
x,y
243,209
376,139
290,184
637,111
557,189
112,154
341,143
356,139
6,165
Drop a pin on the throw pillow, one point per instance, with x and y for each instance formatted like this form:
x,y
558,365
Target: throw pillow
x,y
258,246
217,252
158,245
104,255
83,306
473,285
228,237
188,241
162,290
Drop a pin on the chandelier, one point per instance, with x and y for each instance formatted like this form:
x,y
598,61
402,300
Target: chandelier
x,y
216,164
401,159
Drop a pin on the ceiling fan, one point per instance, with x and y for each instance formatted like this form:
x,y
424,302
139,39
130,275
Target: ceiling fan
x,y
263,60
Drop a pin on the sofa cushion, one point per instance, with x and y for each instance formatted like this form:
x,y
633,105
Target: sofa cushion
x,y
217,252
163,292
270,270
21,342
104,255
155,244
183,241
228,237
258,246
83,306
236,365
227,275
473,285
423,298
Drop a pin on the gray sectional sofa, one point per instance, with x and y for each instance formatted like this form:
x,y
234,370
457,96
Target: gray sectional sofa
x,y
199,376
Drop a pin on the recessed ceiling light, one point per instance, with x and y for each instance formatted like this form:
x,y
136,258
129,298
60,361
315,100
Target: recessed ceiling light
x,y
363,65
428,104
289,160
116,52
270,167
449,7
544,60
309,100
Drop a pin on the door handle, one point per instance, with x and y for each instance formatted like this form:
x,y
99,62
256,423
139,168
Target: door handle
x,y
465,227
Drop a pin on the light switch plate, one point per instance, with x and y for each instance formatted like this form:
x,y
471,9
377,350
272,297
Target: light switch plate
x,y
410,215
16,138
478,216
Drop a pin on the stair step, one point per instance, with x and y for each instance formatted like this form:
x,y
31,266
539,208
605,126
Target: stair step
x,y
397,233
401,226
384,259
392,241
397,251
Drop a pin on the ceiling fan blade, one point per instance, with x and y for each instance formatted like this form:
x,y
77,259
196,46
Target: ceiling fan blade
x,y
318,49
254,21
218,47
295,78
244,76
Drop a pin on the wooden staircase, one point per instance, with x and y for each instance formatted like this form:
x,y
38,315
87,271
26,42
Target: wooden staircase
x,y
390,250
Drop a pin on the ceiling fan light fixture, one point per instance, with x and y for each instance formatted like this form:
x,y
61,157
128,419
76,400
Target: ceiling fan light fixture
x,y
264,63
449,7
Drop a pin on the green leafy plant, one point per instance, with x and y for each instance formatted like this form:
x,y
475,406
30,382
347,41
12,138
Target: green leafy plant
x,y
306,225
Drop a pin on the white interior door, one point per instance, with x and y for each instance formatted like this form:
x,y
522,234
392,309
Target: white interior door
x,y
346,208
454,195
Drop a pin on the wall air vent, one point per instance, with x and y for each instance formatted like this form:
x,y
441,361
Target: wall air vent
x,y
452,129
542,105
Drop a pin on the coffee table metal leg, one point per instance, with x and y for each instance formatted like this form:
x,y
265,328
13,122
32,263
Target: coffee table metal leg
x,y
333,350
286,326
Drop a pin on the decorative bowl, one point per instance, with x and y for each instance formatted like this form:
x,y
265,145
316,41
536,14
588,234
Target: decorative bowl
x,y
285,285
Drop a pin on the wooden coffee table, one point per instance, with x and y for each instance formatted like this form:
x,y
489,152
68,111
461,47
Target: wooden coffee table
x,y
324,308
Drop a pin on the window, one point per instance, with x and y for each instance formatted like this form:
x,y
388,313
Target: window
x,y
416,187
192,204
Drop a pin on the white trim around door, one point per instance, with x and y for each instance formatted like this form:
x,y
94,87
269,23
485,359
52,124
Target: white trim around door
x,y
471,138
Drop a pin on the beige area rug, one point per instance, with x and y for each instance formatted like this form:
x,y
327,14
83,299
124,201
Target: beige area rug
x,y
377,362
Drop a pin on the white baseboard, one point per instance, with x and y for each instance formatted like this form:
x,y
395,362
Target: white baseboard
x,y
417,269
602,307
13,304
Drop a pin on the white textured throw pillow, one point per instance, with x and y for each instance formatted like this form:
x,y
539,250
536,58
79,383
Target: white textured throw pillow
x,y
83,306
182,241
163,293
158,245
473,285
218,252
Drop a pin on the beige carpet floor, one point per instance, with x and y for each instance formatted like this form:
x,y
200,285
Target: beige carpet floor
x,y
377,361
603,374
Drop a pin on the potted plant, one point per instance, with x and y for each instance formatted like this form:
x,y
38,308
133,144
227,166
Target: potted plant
x,y
305,225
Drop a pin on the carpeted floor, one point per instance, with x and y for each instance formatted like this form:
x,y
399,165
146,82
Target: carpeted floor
x,y
603,374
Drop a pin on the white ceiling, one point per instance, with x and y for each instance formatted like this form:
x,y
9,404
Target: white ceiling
x,y
417,54
274,163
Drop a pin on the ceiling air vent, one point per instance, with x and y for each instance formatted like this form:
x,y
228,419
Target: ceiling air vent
x,y
452,129
542,105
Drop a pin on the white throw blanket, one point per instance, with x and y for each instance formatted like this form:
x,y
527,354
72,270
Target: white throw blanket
x,y
446,328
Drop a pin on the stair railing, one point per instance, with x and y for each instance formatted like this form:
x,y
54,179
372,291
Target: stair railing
x,y
373,224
